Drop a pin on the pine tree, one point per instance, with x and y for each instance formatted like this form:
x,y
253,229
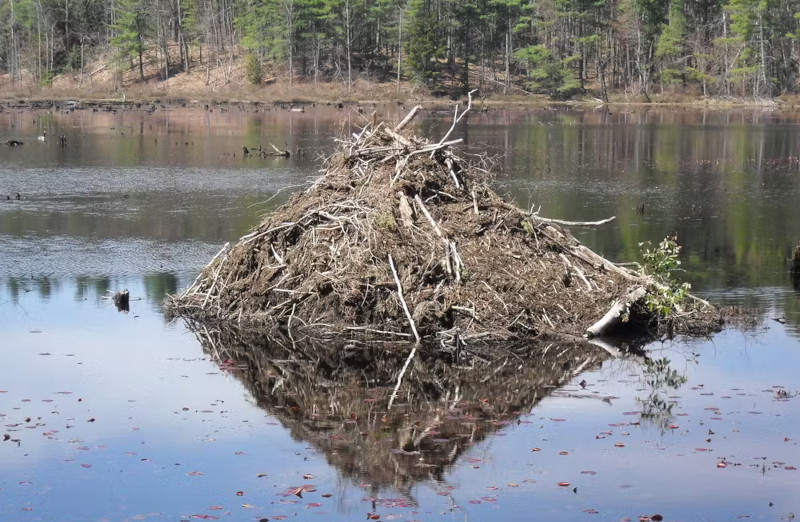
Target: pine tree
x,y
130,28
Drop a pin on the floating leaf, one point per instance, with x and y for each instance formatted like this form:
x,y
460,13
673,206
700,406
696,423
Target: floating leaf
x,y
564,484
308,476
619,444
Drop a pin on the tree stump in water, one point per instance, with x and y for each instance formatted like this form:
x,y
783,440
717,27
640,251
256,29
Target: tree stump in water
x,y
122,301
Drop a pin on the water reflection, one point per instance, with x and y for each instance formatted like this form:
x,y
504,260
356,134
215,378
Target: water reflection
x,y
334,397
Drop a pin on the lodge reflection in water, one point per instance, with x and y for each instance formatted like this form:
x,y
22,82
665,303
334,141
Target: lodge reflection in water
x,y
335,396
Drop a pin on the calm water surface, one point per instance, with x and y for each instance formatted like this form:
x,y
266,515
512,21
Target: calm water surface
x,y
115,416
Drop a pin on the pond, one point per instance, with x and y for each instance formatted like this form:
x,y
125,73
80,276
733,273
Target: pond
x,y
108,415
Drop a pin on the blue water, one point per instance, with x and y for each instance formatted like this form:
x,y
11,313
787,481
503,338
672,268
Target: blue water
x,y
122,416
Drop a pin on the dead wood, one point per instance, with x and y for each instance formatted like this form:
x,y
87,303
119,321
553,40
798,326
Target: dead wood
x,y
400,231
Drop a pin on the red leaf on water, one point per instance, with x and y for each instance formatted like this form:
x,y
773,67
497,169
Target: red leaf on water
x,y
722,464
308,476
536,449
619,444
216,508
327,495
373,516
790,468
313,504
673,426
86,465
563,484
240,493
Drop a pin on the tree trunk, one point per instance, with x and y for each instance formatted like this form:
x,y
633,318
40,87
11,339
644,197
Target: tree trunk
x,y
399,48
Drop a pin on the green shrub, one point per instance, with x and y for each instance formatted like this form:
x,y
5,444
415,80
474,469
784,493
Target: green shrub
x,y
659,263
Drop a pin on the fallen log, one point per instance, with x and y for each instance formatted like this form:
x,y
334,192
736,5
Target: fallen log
x,y
617,313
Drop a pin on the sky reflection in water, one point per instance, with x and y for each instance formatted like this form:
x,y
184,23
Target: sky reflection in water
x,y
131,419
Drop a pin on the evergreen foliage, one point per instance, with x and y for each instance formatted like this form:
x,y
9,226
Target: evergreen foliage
x,y
555,47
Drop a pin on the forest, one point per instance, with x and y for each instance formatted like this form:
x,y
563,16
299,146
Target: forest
x,y
559,48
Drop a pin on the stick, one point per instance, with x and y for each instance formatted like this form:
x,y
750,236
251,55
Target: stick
x,y
428,215
577,223
398,137
577,270
402,372
408,118
614,315
457,118
403,302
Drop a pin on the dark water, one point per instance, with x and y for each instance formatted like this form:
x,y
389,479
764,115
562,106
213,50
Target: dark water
x,y
114,416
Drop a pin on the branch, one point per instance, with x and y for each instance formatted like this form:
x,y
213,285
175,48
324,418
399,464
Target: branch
x,y
614,315
408,118
403,301
577,223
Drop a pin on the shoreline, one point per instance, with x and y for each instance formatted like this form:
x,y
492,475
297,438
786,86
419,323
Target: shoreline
x,y
248,98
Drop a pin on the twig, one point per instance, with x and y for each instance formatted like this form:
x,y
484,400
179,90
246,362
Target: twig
x,y
577,270
413,329
436,228
577,223
457,118
402,372
403,301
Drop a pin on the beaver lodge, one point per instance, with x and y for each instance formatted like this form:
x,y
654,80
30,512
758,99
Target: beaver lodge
x,y
402,238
